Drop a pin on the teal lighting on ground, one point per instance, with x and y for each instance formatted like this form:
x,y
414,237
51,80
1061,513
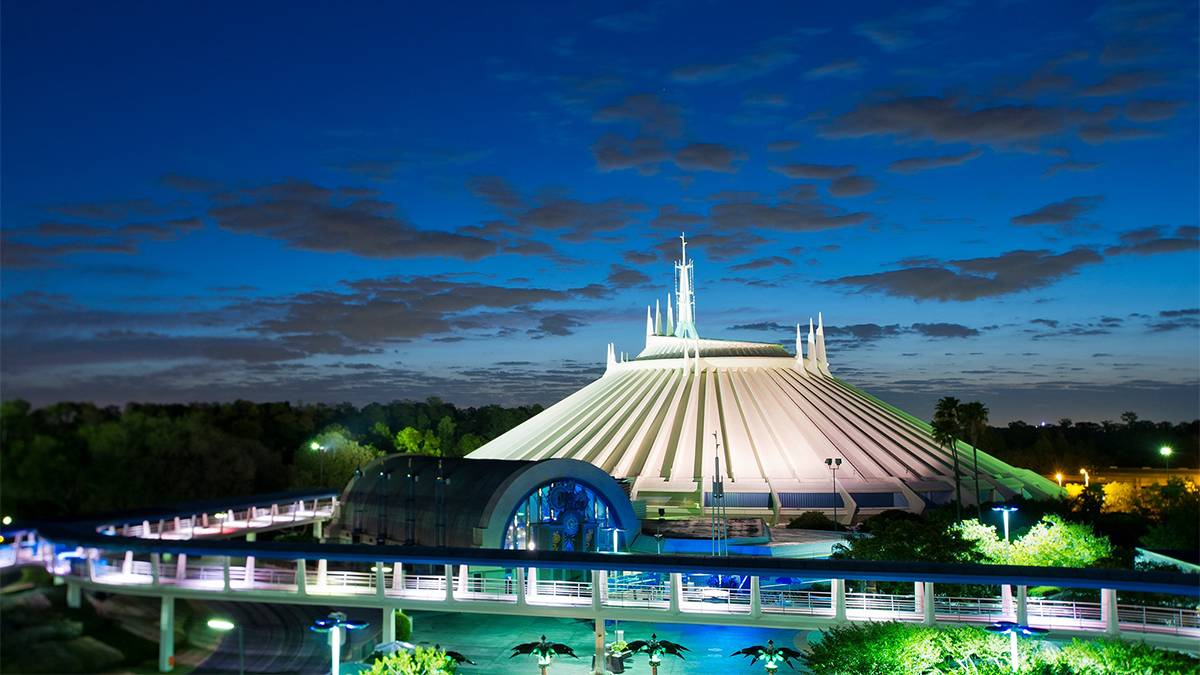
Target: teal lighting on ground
x,y
1005,510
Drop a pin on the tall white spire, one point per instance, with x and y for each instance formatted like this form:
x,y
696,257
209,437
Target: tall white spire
x,y
799,350
657,318
822,360
670,317
685,327
649,322
812,344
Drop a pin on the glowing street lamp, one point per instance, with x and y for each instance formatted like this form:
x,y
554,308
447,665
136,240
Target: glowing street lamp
x,y
1014,630
317,447
1087,478
1005,510
1058,477
335,624
834,464
1166,453
224,626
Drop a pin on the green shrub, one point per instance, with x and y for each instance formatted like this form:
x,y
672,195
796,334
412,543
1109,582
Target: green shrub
x,y
420,661
811,520
403,626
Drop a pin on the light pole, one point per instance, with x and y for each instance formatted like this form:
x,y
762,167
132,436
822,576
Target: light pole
x,y
834,463
1087,478
224,626
318,448
1014,630
335,624
1058,477
1166,453
1005,510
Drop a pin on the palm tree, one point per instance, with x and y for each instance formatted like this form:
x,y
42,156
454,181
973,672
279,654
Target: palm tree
x,y
974,418
945,431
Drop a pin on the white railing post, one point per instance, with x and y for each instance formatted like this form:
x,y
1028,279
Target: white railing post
x,y
91,568
464,579
248,573
145,529
225,573
322,571
519,576
127,564
838,588
398,577
531,587
676,592
1006,601
180,568
1023,605
449,573
154,560
1108,611
929,604
755,597
302,577
380,584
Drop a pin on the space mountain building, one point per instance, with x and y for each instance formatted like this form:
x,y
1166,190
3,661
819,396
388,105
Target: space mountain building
x,y
688,407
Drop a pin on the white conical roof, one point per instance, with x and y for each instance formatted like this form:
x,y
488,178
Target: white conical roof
x,y
778,418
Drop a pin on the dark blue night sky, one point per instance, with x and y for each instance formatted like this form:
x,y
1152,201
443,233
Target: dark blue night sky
x,y
995,200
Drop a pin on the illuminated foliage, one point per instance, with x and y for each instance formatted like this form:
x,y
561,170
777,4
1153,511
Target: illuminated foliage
x,y
337,461
420,661
1052,542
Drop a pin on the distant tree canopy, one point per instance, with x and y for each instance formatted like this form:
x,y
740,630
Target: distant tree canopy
x,y
72,459
1068,445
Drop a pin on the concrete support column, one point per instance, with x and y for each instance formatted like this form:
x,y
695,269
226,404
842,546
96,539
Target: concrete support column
x,y
388,627
302,577
838,588
155,559
397,577
597,581
380,585
676,591
449,583
519,575
319,529
225,573
180,567
74,595
1023,605
930,604
322,571
1108,611
602,586
248,575
598,667
755,597
464,578
166,635
531,587
918,598
1006,601
127,564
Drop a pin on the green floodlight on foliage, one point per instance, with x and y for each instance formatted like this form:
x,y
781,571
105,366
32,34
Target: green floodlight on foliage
x,y
1015,630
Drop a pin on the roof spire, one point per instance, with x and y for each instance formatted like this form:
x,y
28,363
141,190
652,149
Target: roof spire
x,y
822,359
657,318
670,317
686,326
649,322
799,350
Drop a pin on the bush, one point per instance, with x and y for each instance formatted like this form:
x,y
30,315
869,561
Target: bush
x,y
895,648
420,661
811,520
403,626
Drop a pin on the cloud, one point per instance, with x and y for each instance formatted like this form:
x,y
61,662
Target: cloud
x,y
1151,111
851,186
838,68
1117,84
768,326
624,277
1155,240
708,157
314,218
633,21
902,29
944,330
1059,214
783,145
647,112
616,153
557,324
639,257
1050,323
1061,167
974,278
762,263
46,244
768,57
550,212
796,209
917,164
817,171
716,247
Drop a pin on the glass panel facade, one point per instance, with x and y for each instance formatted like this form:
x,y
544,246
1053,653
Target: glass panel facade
x,y
564,515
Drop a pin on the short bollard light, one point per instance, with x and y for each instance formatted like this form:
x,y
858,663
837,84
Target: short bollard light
x,y
656,649
544,650
224,626
1005,510
334,624
1015,630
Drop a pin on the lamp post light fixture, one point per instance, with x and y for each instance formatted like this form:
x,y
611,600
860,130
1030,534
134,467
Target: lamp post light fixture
x,y
317,447
1059,477
834,463
1166,453
224,626
1005,510
335,625
1015,630
1087,477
